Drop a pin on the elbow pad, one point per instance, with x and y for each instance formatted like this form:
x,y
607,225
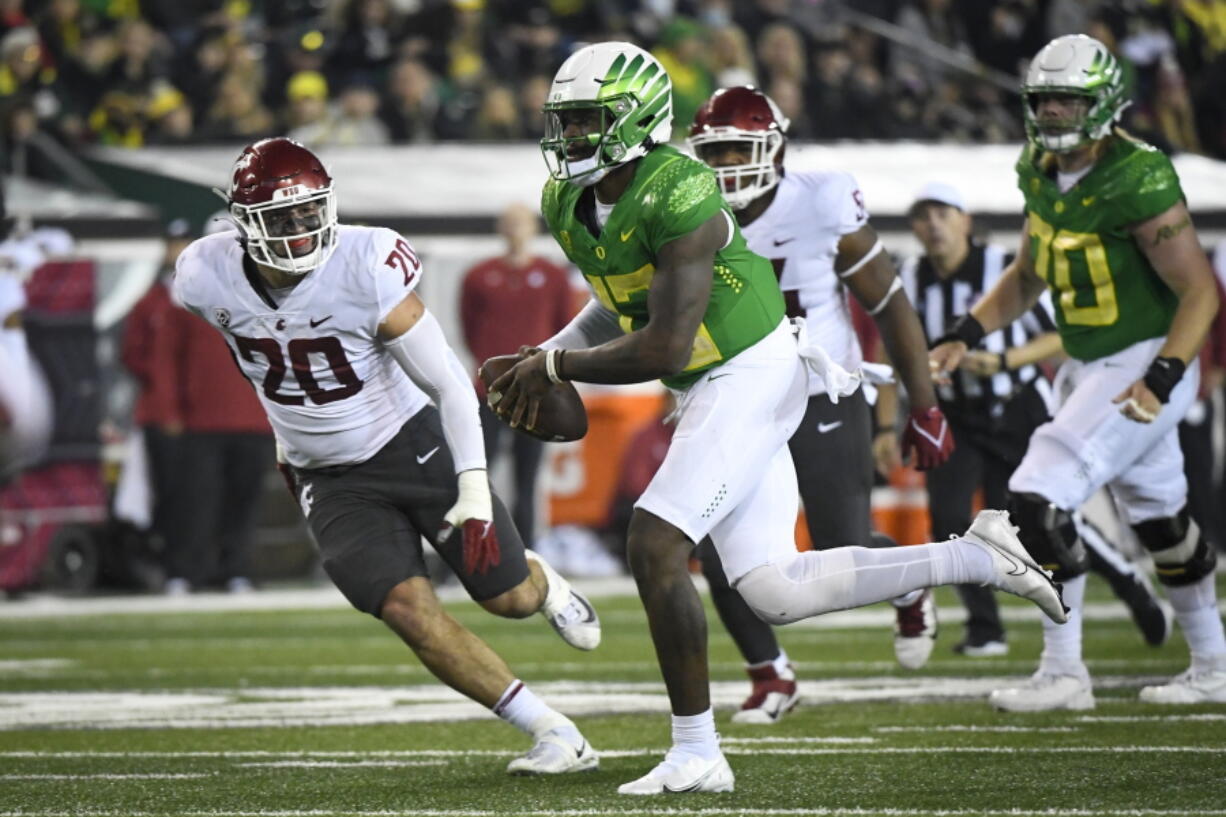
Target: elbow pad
x,y
428,360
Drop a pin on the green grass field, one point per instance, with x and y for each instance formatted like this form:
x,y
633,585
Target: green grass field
x,y
320,712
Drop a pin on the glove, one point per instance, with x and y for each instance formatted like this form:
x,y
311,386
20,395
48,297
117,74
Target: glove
x,y
927,441
473,513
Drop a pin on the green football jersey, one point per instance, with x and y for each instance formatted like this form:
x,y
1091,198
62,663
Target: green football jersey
x,y
1106,294
670,196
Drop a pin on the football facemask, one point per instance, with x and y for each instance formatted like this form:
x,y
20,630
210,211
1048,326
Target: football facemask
x,y
1079,67
295,232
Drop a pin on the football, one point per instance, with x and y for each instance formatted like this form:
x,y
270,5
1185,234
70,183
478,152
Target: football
x,y
561,417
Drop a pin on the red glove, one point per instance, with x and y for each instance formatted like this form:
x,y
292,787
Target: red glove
x,y
927,441
481,550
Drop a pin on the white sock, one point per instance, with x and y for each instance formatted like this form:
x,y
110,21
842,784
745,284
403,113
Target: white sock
x,y
695,734
783,666
557,589
521,708
1195,608
888,573
780,663
1062,642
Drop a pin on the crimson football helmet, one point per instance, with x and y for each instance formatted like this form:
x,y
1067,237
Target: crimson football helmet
x,y
742,114
282,200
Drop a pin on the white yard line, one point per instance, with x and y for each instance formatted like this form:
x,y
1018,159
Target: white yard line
x,y
326,597
86,776
779,749
251,707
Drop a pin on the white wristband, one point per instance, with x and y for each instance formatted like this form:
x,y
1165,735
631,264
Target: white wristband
x,y
551,365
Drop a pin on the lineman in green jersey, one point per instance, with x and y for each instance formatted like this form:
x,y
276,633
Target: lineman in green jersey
x,y
1108,231
677,296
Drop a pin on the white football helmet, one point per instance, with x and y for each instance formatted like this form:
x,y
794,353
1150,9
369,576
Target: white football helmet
x,y
1081,66
627,97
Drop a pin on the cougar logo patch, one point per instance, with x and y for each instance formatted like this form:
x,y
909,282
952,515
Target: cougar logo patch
x,y
222,316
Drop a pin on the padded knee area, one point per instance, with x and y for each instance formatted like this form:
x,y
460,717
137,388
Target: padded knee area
x,y
810,583
1181,554
1049,535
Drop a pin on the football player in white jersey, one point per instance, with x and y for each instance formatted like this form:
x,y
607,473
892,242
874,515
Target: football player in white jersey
x,y
813,226
377,422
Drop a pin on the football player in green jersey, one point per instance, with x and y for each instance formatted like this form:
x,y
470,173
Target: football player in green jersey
x,y
1107,230
678,296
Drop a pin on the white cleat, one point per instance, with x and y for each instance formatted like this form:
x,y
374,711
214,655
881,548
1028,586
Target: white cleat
x,y
1192,686
568,611
1016,571
1044,692
554,754
683,772
915,631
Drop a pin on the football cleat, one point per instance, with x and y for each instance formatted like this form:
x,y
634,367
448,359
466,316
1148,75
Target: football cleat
x,y
682,772
1016,572
1196,685
915,631
772,696
554,754
568,611
1043,692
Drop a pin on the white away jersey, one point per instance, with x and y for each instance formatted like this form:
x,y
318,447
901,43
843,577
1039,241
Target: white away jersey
x,y
799,233
334,396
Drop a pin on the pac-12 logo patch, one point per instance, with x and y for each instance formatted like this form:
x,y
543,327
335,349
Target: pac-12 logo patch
x,y
221,315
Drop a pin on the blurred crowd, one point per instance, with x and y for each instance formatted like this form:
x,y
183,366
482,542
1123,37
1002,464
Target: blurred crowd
x,y
368,72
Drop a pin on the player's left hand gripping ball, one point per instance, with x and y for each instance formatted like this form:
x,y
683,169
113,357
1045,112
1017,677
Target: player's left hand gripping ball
x,y
927,441
473,514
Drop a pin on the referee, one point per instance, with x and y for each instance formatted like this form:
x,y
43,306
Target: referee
x,y
994,401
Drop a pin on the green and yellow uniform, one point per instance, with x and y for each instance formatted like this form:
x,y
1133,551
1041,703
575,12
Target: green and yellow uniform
x,y
670,196
1106,294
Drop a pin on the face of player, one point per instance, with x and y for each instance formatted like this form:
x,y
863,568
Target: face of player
x,y
582,129
1058,114
286,222
728,154
942,229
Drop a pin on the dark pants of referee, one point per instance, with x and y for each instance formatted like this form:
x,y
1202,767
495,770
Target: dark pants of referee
x,y
1204,490
988,449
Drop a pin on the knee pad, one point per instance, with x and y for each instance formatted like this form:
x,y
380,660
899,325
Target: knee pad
x,y
1049,535
1181,554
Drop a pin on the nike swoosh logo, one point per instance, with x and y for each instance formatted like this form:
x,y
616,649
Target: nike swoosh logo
x,y
779,243
315,323
421,458
826,428
626,235
711,377
693,786
1086,202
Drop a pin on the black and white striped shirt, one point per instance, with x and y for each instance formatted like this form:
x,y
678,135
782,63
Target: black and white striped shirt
x,y
940,302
